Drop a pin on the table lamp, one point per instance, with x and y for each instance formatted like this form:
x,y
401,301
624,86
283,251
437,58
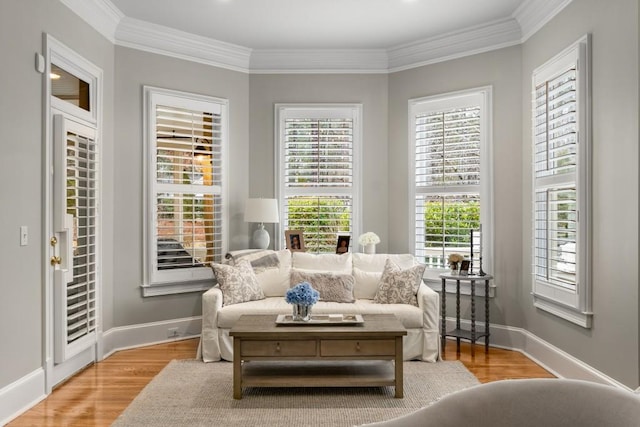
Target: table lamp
x,y
261,210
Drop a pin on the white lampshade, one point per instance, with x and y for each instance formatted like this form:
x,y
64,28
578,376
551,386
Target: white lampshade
x,y
261,210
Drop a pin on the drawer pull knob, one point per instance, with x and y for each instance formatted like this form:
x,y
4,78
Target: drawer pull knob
x,y
358,346
278,347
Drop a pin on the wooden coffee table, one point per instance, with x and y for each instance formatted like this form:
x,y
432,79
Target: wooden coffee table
x,y
365,355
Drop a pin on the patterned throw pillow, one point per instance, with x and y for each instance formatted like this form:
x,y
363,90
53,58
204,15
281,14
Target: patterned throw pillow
x,y
331,286
238,283
399,286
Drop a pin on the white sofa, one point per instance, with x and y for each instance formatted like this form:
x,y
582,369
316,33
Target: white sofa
x,y
422,339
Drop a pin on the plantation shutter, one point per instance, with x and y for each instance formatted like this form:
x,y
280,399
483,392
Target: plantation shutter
x,y
75,222
555,155
318,179
447,182
186,191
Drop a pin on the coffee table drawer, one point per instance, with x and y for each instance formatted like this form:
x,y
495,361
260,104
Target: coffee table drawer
x,y
357,348
278,348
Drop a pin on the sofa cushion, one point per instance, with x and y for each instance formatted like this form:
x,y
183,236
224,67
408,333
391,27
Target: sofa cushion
x,y
331,286
238,283
366,284
333,263
399,286
275,281
411,317
376,262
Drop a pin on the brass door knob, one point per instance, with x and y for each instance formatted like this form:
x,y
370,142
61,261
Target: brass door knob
x,y
55,260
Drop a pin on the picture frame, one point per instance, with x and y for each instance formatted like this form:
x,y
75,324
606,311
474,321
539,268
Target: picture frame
x,y
464,267
342,245
294,240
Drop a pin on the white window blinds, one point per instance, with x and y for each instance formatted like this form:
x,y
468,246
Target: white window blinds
x,y
318,152
560,180
449,136
186,187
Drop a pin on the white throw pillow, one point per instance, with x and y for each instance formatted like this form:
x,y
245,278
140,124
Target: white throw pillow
x,y
275,281
238,283
366,283
323,262
399,286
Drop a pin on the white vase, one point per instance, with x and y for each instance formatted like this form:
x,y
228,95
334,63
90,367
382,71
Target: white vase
x,y
370,248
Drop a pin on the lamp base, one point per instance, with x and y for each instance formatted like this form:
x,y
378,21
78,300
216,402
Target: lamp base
x,y
261,238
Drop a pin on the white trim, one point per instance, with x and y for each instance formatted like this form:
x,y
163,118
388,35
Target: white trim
x,y
532,15
53,49
148,37
20,395
121,30
457,44
102,15
482,96
553,359
143,334
189,279
329,110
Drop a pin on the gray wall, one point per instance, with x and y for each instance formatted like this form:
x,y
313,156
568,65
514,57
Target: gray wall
x,y
21,163
370,90
611,346
133,70
501,70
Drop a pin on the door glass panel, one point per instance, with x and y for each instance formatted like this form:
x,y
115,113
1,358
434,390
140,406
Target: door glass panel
x,y
69,88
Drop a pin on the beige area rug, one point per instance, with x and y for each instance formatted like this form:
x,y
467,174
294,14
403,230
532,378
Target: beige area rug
x,y
193,393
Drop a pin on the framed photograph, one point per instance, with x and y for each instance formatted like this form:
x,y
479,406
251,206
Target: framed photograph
x,y
464,267
342,247
294,240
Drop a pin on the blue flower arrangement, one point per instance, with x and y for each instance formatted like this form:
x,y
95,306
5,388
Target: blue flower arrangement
x,y
302,294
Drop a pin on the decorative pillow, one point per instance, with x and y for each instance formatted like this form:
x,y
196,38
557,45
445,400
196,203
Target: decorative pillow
x,y
238,283
399,286
331,286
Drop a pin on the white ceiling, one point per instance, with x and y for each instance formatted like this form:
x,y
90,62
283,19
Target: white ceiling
x,y
319,24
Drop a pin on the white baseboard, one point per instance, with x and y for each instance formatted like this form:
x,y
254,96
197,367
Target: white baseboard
x,y
21,395
144,334
550,357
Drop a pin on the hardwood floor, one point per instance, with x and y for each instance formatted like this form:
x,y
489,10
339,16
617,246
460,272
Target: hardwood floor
x,y
96,396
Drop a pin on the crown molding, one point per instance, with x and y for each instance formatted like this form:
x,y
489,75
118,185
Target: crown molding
x,y
327,61
109,21
482,38
102,15
167,41
534,14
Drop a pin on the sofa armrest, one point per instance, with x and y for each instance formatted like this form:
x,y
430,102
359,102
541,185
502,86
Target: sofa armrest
x,y
211,303
429,303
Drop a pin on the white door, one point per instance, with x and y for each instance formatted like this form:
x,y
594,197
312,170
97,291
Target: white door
x,y
74,246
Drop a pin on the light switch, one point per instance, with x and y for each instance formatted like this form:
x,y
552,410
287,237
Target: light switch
x,y
24,235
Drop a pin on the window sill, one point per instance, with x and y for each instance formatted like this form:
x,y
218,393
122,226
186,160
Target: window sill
x,y
581,318
175,288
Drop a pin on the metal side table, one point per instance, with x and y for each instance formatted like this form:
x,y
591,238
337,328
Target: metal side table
x,y
473,335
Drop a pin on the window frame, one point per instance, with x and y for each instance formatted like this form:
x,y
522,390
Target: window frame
x,y
315,110
183,280
481,96
573,305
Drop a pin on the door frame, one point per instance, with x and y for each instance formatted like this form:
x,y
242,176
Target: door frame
x,y
58,53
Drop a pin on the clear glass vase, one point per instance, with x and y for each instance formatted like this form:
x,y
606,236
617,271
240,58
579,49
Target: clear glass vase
x,y
301,313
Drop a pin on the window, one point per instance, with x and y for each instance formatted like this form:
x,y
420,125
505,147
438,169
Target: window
x,y
318,164
451,175
560,179
186,144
